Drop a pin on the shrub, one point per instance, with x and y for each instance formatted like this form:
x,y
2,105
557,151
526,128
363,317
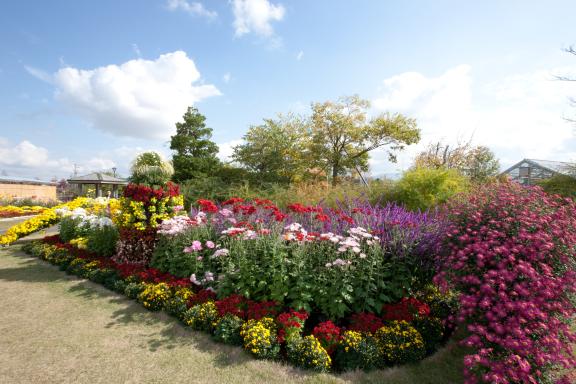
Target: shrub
x,y
512,259
432,331
259,338
75,266
227,329
290,325
155,296
202,317
356,351
424,188
68,229
399,343
560,184
328,334
102,240
135,246
133,289
178,303
308,353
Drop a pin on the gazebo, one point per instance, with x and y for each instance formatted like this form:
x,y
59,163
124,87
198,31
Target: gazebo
x,y
98,180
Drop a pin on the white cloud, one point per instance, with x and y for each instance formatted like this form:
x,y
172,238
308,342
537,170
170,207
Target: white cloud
x,y
300,55
227,77
140,98
255,16
519,116
39,74
29,160
194,8
227,148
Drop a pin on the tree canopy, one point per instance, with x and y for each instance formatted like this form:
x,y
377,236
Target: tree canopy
x,y
335,139
477,162
194,152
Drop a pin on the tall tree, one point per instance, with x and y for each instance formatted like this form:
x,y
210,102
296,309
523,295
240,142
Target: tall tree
x,y
195,153
341,136
274,149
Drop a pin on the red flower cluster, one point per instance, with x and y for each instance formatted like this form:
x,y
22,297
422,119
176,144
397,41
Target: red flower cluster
x,y
299,208
142,193
244,209
208,206
365,322
407,309
234,304
289,322
233,200
257,310
201,297
328,334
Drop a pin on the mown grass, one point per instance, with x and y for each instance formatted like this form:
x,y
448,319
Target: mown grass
x,y
58,329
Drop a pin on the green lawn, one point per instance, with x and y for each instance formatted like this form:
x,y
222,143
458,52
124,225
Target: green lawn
x,y
58,329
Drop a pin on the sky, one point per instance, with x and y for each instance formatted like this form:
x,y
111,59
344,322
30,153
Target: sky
x,y
87,85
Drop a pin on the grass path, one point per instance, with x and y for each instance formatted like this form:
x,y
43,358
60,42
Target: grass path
x,y
55,328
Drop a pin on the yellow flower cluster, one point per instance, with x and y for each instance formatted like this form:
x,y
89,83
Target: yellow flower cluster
x,y
399,343
350,340
134,214
154,296
259,337
308,353
13,211
80,242
202,316
41,221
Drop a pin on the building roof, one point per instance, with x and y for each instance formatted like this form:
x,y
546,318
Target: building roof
x,y
24,180
561,167
97,178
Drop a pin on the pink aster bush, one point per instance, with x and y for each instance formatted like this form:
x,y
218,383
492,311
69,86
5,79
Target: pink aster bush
x,y
511,255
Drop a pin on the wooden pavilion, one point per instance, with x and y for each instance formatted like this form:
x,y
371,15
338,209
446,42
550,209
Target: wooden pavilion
x,y
99,180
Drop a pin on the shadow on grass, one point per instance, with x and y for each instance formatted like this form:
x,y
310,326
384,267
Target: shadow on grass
x,y
168,333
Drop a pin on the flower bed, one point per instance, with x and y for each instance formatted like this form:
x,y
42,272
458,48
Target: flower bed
x,y
512,255
47,218
265,329
9,211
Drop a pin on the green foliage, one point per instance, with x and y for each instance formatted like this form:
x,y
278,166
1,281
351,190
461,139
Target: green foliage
x,y
307,353
150,169
69,229
133,289
201,317
227,330
169,255
399,343
424,188
478,163
274,149
341,137
195,154
177,304
154,296
356,351
102,240
561,185
432,331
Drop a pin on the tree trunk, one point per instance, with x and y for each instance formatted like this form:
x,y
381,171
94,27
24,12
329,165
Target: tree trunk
x,y
334,174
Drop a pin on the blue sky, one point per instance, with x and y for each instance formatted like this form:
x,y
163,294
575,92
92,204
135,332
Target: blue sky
x,y
94,83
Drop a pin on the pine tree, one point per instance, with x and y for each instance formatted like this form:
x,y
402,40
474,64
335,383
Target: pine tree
x,y
195,154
